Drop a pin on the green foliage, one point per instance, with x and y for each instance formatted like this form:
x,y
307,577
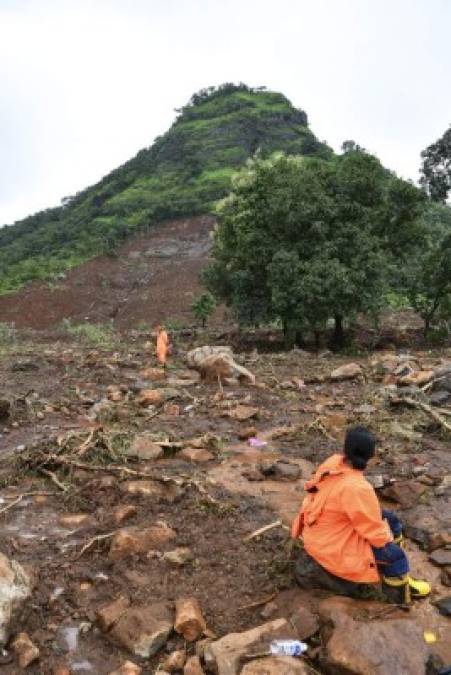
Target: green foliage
x,y
436,168
203,307
101,335
426,279
183,173
302,239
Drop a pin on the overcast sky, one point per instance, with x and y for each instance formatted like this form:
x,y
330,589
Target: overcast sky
x,y
86,83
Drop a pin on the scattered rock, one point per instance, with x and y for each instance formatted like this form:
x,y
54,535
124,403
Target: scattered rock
x,y
124,512
76,520
418,378
143,630
5,408
281,470
193,666
305,622
26,652
445,577
143,447
127,668
189,621
150,488
15,589
149,397
110,614
130,541
171,409
444,605
441,557
175,661
179,556
350,371
196,455
153,374
276,665
405,493
269,610
244,412
225,655
383,647
217,362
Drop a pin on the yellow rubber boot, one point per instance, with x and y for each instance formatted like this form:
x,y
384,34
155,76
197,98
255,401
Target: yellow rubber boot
x,y
419,588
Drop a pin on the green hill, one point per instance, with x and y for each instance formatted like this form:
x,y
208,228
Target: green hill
x,y
182,174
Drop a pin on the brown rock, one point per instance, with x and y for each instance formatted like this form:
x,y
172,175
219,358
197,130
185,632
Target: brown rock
x,y
379,647
441,557
109,614
247,432
445,577
76,520
276,665
334,422
225,656
305,622
244,412
269,610
178,556
149,397
189,621
153,374
171,409
350,371
143,630
193,666
149,488
127,668
143,447
406,493
124,512
61,670
132,540
175,661
418,378
26,652
196,455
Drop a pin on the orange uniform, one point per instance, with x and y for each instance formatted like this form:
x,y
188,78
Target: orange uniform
x,y
340,520
162,346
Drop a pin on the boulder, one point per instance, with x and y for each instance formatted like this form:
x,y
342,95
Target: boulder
x,y
150,488
132,540
74,521
242,413
350,371
153,374
26,652
193,666
217,362
305,622
143,630
143,447
441,557
179,556
405,493
444,605
445,576
15,590
110,614
149,397
276,665
377,647
189,621
226,655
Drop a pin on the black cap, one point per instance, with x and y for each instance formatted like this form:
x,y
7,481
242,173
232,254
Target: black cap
x,y
360,446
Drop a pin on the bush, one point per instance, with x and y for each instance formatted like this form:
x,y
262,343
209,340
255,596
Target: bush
x,y
99,334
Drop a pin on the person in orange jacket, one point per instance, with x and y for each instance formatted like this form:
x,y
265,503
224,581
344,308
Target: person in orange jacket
x,y
162,345
348,541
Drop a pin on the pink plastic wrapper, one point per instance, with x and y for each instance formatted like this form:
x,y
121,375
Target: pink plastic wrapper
x,y
256,442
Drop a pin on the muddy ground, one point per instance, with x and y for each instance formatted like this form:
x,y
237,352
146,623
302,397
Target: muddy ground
x,y
60,395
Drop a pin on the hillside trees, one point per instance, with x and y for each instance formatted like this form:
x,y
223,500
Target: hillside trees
x,y
302,240
436,168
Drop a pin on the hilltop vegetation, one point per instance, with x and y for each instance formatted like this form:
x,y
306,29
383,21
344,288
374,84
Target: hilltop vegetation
x,y
183,173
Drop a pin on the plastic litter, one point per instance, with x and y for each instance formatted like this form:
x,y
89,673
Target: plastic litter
x,y
287,647
256,442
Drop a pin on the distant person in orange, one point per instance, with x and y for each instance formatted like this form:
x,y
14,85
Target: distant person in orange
x,y
348,540
162,346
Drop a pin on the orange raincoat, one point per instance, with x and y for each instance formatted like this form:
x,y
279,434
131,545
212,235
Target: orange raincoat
x,y
162,346
340,520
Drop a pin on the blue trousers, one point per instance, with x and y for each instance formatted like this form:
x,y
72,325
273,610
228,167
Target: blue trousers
x,y
391,559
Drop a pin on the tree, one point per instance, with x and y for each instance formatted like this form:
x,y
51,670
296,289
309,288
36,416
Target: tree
x,y
436,168
203,307
426,280
301,240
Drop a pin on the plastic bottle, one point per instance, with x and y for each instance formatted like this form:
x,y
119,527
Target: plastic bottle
x,y
287,647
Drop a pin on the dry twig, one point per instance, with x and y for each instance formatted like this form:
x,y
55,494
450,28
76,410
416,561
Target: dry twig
x,y
262,530
94,540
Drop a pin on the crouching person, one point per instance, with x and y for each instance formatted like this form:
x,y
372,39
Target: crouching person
x,y
347,541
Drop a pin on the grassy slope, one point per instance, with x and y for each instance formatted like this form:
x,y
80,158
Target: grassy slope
x,y
183,173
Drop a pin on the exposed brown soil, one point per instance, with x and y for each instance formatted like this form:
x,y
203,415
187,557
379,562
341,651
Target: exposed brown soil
x,y
152,277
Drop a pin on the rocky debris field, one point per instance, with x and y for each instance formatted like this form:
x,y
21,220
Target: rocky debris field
x,y
144,515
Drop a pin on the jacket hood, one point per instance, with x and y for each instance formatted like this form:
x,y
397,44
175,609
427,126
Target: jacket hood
x,y
333,466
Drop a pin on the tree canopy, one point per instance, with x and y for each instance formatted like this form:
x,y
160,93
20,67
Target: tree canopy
x,y
436,168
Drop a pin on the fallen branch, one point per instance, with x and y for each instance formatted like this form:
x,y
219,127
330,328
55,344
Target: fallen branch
x,y
54,478
425,408
94,540
257,603
262,530
108,468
